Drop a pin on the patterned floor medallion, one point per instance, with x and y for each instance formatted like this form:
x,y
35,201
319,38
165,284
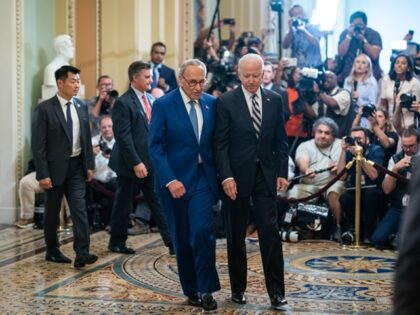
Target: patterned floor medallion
x,y
321,278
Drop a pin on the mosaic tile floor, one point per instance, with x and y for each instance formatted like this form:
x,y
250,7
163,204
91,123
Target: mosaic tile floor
x,y
321,278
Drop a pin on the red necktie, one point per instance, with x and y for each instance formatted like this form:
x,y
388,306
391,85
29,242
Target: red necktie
x,y
147,107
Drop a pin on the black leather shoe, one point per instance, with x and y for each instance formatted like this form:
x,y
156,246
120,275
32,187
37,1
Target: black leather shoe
x,y
81,261
208,303
194,300
278,301
121,249
171,250
238,297
57,256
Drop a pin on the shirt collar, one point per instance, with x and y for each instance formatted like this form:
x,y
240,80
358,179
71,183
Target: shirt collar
x,y
249,95
185,97
138,92
63,101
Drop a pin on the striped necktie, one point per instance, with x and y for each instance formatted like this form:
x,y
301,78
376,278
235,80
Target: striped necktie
x,y
256,115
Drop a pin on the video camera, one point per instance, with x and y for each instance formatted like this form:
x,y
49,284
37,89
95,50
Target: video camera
x,y
306,84
297,22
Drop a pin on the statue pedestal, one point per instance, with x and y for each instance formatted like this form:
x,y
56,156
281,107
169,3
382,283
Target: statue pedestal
x,y
49,91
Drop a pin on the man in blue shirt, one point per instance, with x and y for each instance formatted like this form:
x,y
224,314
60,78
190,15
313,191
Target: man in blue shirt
x,y
372,196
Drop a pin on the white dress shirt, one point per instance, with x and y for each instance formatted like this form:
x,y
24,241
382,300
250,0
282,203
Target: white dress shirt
x,y
77,148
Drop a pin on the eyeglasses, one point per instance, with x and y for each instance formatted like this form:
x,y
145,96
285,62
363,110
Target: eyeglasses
x,y
408,146
193,83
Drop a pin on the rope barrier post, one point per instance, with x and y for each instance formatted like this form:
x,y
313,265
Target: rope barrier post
x,y
359,158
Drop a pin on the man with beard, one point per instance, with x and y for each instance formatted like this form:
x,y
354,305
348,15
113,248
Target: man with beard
x,y
321,153
371,195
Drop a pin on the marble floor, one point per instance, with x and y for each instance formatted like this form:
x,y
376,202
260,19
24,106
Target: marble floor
x,y
321,278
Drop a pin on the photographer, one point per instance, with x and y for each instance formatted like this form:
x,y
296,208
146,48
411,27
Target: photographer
x,y
298,126
402,163
371,195
356,39
399,90
303,38
335,103
103,103
320,153
381,130
102,146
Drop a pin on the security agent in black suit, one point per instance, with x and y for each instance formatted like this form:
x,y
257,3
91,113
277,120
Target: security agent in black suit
x,y
251,157
130,157
62,150
407,275
163,76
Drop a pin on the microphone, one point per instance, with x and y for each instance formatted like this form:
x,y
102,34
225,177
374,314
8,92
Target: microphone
x,y
355,85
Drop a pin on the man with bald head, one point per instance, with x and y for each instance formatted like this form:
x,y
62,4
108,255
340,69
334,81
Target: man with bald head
x,y
252,158
180,147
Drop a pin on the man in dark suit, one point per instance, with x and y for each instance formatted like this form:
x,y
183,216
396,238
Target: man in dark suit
x,y
181,151
62,150
163,76
130,157
251,158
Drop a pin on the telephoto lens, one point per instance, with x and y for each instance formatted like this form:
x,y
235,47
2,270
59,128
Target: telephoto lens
x,y
290,236
347,238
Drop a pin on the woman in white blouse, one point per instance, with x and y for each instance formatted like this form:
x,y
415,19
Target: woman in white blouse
x,y
400,80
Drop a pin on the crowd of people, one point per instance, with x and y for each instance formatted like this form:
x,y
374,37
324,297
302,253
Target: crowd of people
x,y
228,127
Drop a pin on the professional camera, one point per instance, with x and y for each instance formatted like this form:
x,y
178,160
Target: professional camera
x,y
406,99
351,141
297,22
229,21
347,238
368,110
306,84
113,93
357,29
290,236
104,147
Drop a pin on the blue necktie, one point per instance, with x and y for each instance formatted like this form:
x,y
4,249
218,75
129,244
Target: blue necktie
x,y
193,118
69,124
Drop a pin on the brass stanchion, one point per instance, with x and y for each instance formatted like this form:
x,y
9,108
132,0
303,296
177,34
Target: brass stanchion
x,y
358,158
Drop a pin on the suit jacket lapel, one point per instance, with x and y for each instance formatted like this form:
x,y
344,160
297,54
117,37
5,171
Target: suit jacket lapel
x,y
60,115
205,111
243,107
266,108
138,107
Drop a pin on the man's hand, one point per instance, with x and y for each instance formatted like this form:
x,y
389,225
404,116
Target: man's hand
x,y
310,173
334,167
229,187
403,163
89,176
282,184
140,170
162,84
176,189
45,183
96,149
415,107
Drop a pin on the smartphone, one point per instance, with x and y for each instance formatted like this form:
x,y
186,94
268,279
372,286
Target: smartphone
x,y
290,62
229,21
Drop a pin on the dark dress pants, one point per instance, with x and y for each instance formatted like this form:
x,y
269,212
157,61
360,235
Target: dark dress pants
x,y
265,216
74,187
123,205
190,222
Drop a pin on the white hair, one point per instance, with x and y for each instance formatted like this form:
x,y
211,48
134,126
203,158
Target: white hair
x,y
192,62
248,57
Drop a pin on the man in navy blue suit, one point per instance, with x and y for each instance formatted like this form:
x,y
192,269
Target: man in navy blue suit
x,y
130,157
163,76
181,151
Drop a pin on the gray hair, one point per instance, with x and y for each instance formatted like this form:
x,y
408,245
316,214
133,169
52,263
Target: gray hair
x,y
250,57
326,121
191,62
